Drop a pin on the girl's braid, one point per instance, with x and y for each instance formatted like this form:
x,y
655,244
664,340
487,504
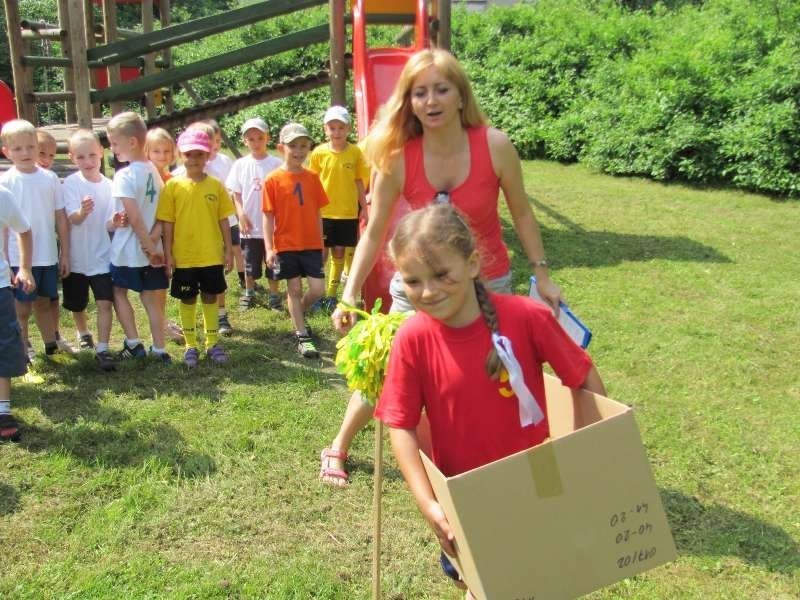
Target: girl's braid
x,y
493,364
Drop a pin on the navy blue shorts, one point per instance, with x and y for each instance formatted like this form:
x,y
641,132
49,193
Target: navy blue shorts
x,y
254,257
236,239
46,279
448,567
140,279
12,352
301,263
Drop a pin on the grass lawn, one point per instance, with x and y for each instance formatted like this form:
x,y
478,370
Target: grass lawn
x,y
158,483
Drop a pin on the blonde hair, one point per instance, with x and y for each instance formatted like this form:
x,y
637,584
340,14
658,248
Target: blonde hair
x,y
45,137
214,125
81,136
128,124
396,123
442,226
16,127
203,126
158,134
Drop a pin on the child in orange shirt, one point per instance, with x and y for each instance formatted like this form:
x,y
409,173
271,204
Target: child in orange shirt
x,y
291,200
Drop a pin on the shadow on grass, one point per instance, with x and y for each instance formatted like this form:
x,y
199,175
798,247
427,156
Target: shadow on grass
x,y
575,246
86,415
715,530
9,499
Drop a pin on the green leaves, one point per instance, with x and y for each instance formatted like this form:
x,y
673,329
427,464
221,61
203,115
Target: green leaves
x,y
363,353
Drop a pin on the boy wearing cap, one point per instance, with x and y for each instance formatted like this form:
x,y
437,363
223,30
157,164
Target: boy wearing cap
x,y
343,171
194,209
245,181
291,201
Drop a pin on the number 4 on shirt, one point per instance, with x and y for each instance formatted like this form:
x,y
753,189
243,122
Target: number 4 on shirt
x,y
150,188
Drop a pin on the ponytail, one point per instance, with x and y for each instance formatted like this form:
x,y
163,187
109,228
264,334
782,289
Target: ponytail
x,y
493,364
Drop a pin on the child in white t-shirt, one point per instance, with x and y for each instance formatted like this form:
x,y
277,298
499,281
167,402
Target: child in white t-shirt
x,y
137,258
90,210
245,181
37,193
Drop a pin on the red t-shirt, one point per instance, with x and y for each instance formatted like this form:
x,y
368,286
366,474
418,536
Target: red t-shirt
x,y
295,200
474,420
476,197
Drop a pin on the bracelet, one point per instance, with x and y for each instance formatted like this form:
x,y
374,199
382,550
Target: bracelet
x,y
539,263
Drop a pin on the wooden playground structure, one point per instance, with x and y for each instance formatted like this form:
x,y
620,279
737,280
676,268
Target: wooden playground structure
x,y
106,66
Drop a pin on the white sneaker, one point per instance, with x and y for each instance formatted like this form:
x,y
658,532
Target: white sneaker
x,y
65,346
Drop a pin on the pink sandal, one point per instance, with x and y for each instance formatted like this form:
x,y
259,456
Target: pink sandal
x,y
340,476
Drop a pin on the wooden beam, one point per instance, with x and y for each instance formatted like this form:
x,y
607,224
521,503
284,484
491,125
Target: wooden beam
x,y
110,32
80,68
443,14
169,77
66,50
196,29
15,51
91,42
338,69
166,54
149,58
34,60
48,97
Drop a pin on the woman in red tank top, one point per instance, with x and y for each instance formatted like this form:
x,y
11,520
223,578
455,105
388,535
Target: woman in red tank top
x,y
432,141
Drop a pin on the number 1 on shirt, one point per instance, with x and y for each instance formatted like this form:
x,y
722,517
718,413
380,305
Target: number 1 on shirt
x,y
298,191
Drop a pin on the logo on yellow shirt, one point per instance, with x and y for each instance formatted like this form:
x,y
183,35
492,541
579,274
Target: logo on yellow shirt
x,y
211,197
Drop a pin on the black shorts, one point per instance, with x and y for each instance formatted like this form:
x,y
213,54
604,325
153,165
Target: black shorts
x,y
187,282
76,290
301,263
340,232
254,257
235,237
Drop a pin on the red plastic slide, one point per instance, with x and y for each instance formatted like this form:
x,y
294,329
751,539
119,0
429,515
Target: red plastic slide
x,y
375,72
8,108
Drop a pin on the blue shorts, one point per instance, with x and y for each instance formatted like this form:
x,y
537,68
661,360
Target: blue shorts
x,y
139,279
12,352
448,567
46,279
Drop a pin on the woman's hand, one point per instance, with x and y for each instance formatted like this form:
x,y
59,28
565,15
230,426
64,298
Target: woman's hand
x,y
549,292
434,514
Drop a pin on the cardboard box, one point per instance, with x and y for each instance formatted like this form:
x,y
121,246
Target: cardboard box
x,y
564,518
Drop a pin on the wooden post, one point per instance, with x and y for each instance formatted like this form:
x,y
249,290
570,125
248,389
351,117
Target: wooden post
x,y
80,66
338,71
150,58
88,28
110,29
166,54
66,50
443,33
15,51
376,511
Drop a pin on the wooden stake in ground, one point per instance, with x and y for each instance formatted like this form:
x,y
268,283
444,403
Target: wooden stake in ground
x,y
376,511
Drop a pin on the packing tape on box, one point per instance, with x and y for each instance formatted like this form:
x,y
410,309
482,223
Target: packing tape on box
x,y
545,472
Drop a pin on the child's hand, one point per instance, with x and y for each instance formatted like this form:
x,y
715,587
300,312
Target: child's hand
x,y
228,259
155,257
63,265
120,219
169,266
245,225
24,280
87,206
343,320
434,514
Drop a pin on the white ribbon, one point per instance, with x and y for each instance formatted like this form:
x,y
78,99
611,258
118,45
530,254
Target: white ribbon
x,y
529,411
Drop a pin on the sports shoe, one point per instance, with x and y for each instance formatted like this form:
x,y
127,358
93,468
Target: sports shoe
x,y
246,301
174,332
9,428
137,351
217,355
30,353
86,341
260,289
306,347
191,357
105,361
162,357
275,302
224,327
329,304
64,346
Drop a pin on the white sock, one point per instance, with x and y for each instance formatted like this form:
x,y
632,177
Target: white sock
x,y
131,344
5,407
222,312
83,333
101,347
155,350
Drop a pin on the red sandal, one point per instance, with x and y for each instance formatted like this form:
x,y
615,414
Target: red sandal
x,y
340,477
